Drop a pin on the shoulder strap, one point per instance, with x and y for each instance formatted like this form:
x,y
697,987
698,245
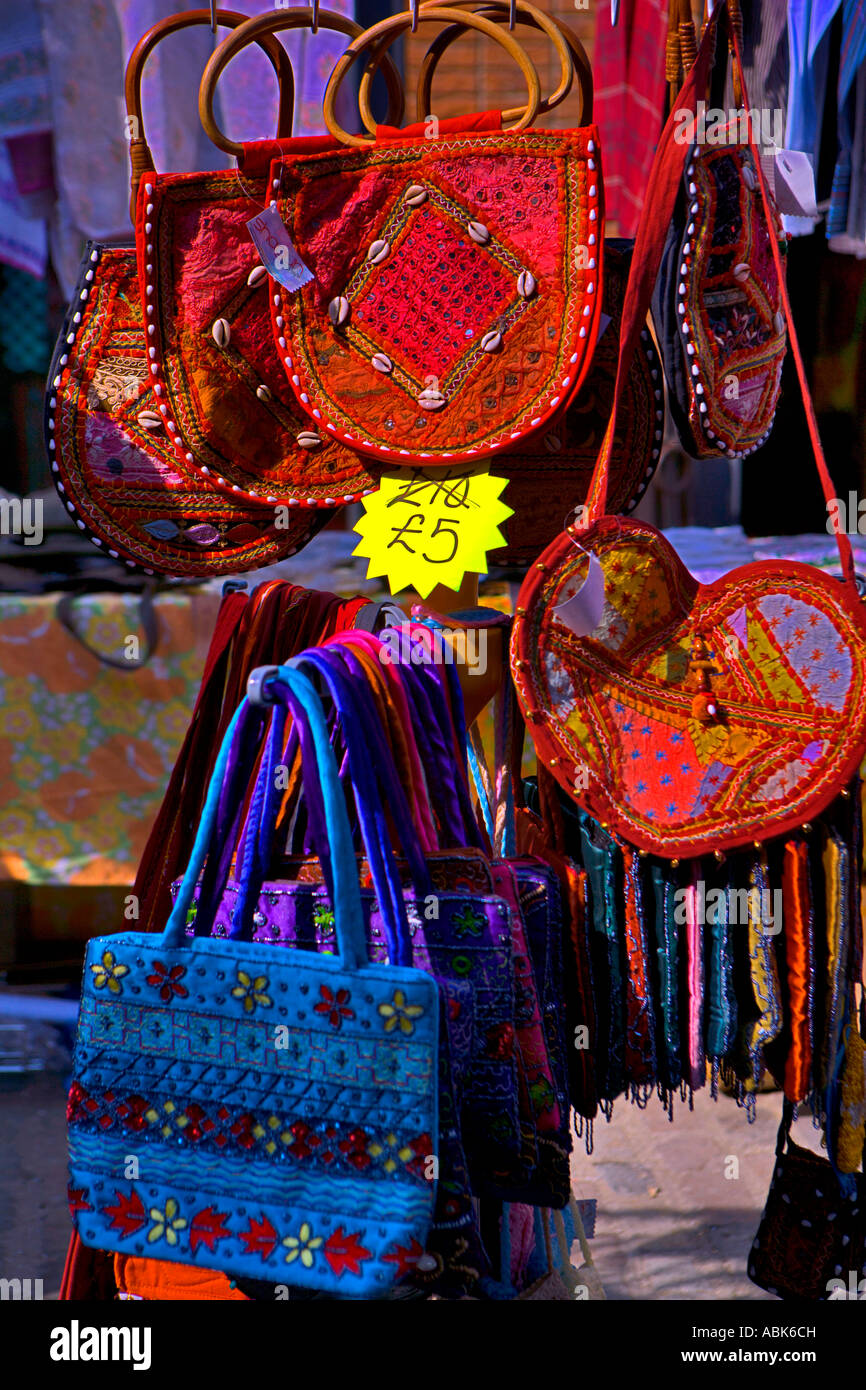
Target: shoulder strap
x,y
658,210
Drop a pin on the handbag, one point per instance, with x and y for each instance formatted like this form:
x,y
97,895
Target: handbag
x,y
300,914
213,363
488,220
558,463
811,1242
718,306
232,1179
468,940
536,924
112,461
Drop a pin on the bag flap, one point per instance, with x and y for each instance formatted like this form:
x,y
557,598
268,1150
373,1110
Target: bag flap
x,y
456,288
230,413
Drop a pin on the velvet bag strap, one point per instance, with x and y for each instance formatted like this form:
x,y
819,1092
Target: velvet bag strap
x,y
359,723
363,738
437,787
293,687
364,655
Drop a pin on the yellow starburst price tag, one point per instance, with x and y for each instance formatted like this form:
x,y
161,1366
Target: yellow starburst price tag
x,y
421,529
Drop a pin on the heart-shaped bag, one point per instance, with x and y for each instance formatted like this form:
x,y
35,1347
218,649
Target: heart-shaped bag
x,y
689,718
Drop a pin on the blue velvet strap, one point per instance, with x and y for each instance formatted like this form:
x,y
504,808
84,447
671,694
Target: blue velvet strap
x,y
298,692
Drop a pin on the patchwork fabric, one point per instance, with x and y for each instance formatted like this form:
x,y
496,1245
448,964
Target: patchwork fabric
x,y
718,309
230,413
694,717
112,461
548,473
233,1069
456,292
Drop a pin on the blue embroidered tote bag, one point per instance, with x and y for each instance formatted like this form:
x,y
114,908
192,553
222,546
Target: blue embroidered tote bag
x,y
268,1113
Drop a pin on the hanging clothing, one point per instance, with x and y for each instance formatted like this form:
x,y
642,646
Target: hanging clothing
x,y
846,220
85,48
629,73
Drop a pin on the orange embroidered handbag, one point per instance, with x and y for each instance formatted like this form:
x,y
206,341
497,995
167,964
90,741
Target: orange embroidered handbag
x,y
113,462
229,412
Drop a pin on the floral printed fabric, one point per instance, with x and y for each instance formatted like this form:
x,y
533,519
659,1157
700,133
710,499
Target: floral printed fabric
x,y
86,750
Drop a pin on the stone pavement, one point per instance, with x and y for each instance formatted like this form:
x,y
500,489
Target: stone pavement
x,y
34,1218
670,1224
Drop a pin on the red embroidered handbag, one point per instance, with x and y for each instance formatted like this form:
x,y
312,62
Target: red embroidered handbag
x,y
549,471
229,412
456,281
689,718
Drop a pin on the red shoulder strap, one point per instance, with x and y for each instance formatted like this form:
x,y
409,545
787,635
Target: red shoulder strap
x,y
658,210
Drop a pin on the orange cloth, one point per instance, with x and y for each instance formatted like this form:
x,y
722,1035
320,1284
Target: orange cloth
x,y
160,1281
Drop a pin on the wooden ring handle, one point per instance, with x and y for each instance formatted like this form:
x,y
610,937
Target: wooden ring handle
x,y
140,156
572,56
437,14
497,10
298,18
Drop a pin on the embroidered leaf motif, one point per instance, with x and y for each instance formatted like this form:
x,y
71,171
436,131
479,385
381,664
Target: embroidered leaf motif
x,y
260,1239
344,1252
207,1228
76,1199
128,1215
162,529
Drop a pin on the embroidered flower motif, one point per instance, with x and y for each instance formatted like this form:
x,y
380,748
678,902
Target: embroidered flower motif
x,y
302,1245
252,991
166,981
468,921
109,972
166,1223
334,1005
323,918
399,1014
